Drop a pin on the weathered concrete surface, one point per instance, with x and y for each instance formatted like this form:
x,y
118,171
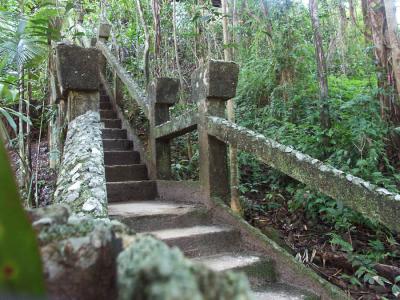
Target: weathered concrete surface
x,y
162,93
81,180
80,102
78,253
215,80
104,30
213,84
178,126
163,90
77,68
167,275
362,196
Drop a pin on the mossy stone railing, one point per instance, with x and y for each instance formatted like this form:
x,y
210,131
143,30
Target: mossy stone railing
x,y
213,84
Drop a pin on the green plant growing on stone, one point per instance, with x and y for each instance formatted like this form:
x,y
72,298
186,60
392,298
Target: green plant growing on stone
x,y
20,264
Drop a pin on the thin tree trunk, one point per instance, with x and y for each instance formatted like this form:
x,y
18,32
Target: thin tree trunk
x,y
21,139
321,69
342,36
391,21
352,12
146,42
155,6
234,180
28,150
178,65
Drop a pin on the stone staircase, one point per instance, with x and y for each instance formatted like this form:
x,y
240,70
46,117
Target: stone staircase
x,y
133,199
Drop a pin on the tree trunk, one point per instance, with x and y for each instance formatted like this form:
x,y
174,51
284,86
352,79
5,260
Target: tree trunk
x,y
392,31
342,36
28,150
321,68
155,5
178,65
146,42
387,57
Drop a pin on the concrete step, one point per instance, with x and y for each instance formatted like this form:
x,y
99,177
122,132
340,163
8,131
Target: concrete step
x,y
157,215
126,173
281,291
131,191
259,269
104,97
117,144
200,240
112,158
114,133
105,105
112,123
108,114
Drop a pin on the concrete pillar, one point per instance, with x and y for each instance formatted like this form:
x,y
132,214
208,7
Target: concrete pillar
x,y
213,84
162,93
103,34
78,77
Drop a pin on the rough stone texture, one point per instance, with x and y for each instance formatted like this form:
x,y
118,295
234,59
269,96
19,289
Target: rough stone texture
x,y
215,79
77,68
81,102
148,269
104,30
163,90
364,197
178,126
81,181
78,253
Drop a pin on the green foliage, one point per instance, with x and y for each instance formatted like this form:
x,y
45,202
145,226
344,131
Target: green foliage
x,y
20,264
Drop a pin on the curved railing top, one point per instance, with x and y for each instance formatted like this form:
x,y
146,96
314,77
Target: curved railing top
x,y
131,85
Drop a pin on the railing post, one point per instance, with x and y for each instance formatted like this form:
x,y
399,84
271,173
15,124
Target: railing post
x,y
103,33
162,94
78,77
117,85
212,85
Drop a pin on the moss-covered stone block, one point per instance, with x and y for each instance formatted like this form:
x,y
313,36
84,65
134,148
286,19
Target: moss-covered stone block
x,y
149,269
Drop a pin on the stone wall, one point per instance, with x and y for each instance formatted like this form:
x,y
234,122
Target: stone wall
x,y
81,180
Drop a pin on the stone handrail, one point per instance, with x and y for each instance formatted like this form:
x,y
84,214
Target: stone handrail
x,y
123,75
354,192
177,126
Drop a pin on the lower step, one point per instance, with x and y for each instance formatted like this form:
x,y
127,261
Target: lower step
x,y
131,191
280,291
259,269
200,240
112,123
157,215
108,114
114,133
105,105
121,158
126,173
117,144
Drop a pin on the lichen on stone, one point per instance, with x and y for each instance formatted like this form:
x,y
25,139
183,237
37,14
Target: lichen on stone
x,y
81,181
149,269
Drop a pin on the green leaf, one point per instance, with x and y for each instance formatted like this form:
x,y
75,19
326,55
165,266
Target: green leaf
x,y
9,119
20,264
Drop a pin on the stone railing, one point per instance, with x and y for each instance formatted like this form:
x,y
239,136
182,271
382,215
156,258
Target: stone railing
x,y
212,85
81,181
74,78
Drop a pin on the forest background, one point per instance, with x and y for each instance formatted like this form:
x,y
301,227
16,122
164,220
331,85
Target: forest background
x,y
323,77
